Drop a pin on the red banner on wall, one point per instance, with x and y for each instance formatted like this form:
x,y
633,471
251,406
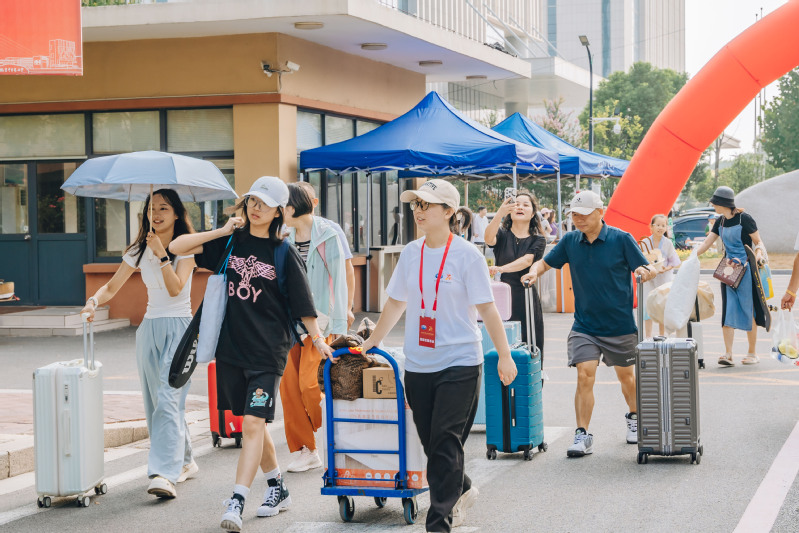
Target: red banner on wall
x,y
41,37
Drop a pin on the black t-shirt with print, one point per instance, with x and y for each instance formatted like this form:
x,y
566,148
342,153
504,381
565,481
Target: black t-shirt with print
x,y
744,219
254,333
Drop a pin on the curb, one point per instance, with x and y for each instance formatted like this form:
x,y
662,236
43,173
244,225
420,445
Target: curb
x,y
17,457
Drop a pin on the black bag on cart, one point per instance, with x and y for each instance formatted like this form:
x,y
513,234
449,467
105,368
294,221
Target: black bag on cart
x,y
667,391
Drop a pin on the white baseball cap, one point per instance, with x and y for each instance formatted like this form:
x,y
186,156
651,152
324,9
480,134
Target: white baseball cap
x,y
585,202
270,190
435,192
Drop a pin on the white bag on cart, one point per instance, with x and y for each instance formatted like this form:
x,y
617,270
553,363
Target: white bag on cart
x,y
68,427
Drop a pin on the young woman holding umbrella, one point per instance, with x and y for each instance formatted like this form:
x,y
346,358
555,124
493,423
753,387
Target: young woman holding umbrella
x,y
254,339
168,280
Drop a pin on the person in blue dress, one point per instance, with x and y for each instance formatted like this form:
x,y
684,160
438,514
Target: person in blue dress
x,y
736,230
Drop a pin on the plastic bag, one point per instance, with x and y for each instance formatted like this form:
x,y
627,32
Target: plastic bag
x,y
783,335
682,297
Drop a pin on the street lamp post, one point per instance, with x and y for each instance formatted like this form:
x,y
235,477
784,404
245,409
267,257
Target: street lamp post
x,y
584,42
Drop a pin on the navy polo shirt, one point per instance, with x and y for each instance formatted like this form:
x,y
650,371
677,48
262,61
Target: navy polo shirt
x,y
601,277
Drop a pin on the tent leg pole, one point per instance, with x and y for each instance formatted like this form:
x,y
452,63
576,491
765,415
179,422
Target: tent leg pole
x,y
514,177
560,236
367,240
466,194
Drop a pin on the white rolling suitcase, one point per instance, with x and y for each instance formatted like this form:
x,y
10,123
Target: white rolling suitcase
x,y
68,427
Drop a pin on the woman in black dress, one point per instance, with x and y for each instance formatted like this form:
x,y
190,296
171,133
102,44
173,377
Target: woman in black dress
x,y
516,236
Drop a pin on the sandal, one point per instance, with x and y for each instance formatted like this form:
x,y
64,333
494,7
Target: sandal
x,y
750,359
726,360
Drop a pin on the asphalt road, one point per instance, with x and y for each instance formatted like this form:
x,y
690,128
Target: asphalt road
x,y
748,414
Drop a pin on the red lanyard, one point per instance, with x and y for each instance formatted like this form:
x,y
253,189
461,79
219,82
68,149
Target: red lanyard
x,y
440,272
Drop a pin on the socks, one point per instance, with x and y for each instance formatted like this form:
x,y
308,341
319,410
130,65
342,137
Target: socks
x,y
632,416
272,474
581,430
242,491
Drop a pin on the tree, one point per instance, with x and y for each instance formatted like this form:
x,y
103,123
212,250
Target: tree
x,y
562,123
746,170
643,92
780,122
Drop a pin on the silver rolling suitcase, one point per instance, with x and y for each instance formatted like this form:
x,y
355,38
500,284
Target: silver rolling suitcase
x,y
667,391
68,427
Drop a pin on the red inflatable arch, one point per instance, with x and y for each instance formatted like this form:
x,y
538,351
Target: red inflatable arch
x,y
698,114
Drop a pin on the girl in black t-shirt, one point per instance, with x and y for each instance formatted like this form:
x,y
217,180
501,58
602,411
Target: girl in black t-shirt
x,y
517,238
254,339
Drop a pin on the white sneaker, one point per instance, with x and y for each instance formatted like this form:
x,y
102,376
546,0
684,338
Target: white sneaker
x,y
466,500
231,520
583,445
188,471
632,428
161,487
307,460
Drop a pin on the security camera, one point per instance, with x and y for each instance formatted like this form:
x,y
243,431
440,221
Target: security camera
x,y
266,68
617,128
293,67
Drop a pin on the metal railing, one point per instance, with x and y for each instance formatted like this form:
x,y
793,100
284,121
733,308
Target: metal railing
x,y
474,19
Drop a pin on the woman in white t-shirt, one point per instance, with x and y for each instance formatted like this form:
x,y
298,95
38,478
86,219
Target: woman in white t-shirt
x,y
168,281
441,282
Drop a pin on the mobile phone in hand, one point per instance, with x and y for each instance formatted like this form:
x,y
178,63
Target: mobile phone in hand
x,y
510,192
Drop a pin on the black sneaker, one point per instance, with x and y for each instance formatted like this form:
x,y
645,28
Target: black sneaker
x,y
231,520
276,498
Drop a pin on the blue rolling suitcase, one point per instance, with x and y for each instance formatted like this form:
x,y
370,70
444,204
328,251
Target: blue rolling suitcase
x,y
514,414
513,332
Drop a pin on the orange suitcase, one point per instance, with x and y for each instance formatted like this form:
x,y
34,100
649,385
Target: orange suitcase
x,y
224,424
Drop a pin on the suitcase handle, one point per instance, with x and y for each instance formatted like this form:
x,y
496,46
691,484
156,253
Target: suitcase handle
x,y
529,315
88,346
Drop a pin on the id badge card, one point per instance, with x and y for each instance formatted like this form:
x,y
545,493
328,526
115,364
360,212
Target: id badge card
x,y
427,332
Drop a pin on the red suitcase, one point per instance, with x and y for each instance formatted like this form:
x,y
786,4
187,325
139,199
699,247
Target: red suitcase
x,y
223,423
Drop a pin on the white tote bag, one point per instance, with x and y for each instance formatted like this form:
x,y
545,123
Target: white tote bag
x,y
214,304
682,297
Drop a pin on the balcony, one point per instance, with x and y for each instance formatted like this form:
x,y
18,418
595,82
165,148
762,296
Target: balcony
x,y
450,31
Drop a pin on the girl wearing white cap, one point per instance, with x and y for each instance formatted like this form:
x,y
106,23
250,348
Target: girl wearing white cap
x,y
737,230
255,336
168,280
440,282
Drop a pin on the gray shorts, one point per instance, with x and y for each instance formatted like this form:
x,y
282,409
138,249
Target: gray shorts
x,y
613,351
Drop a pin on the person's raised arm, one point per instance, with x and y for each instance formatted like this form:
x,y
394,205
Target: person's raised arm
x,y
192,243
109,290
490,234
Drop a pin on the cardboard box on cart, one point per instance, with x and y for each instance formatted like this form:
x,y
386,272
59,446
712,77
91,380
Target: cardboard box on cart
x,y
378,469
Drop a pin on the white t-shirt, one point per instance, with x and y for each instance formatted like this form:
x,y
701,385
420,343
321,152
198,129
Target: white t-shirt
x,y
159,303
464,284
479,228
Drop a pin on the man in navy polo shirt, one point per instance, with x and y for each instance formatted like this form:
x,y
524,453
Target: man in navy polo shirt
x,y
601,259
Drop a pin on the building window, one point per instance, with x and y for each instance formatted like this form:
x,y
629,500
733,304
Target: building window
x,y
57,211
13,198
125,132
42,136
199,130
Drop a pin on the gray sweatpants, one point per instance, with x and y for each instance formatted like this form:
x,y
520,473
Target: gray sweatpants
x,y
165,407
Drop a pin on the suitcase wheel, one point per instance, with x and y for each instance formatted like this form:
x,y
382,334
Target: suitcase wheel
x,y
491,454
701,449
215,440
101,489
528,455
696,458
701,363
643,458
44,502
238,442
543,447
346,507
83,501
410,510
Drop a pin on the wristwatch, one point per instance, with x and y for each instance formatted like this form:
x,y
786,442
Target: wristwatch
x,y
164,259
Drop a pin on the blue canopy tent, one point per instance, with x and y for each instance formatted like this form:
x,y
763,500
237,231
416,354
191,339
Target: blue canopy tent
x,y
431,140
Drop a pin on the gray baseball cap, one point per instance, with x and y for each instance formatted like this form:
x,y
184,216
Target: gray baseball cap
x,y
270,190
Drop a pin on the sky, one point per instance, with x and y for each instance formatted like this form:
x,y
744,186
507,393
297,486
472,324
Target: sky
x,y
711,24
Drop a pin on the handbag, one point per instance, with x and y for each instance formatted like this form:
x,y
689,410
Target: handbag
x,y
185,359
730,272
214,304
653,255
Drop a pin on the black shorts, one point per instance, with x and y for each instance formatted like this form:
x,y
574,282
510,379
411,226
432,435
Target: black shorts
x,y
246,392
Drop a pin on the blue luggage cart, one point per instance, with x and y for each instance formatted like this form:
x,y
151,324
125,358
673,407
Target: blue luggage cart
x,y
345,493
